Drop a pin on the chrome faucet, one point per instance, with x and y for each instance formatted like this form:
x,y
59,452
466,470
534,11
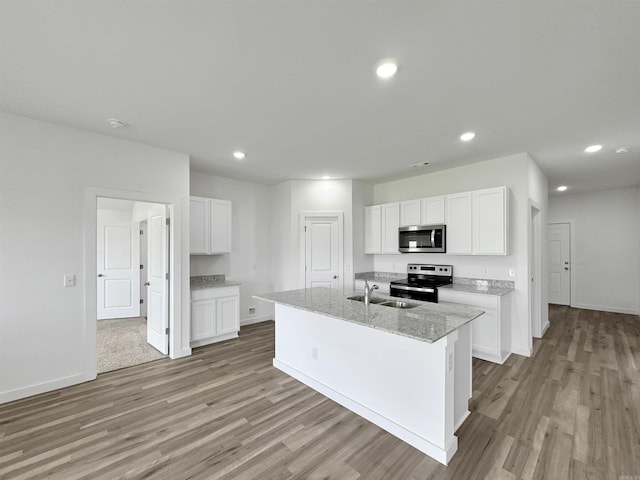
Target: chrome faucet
x,y
368,291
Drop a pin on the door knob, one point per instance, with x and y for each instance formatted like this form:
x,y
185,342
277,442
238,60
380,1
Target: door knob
x,y
335,276
566,268
100,275
146,284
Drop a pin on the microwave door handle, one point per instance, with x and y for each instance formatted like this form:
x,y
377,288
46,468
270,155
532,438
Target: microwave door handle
x,y
433,237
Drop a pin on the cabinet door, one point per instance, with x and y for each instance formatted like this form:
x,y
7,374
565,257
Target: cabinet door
x,y
486,335
372,229
490,222
203,319
390,224
199,225
220,226
432,211
227,315
459,224
410,213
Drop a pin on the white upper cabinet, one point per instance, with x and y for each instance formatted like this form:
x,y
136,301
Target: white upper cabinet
x,y
477,222
390,223
220,226
410,213
199,225
381,224
490,232
459,224
372,229
210,226
432,211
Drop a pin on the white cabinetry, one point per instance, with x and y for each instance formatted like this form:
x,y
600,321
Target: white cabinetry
x,y
210,226
381,224
491,332
410,213
432,211
459,224
215,315
477,222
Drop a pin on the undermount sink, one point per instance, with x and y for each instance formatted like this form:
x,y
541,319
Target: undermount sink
x,y
384,302
399,304
360,298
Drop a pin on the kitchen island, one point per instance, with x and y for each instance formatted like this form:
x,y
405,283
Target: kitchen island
x,y
406,370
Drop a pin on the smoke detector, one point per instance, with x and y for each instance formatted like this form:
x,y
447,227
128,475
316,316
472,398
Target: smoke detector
x,y
116,123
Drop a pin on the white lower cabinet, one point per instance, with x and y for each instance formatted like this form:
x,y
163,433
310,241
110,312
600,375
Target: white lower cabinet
x,y
215,315
490,332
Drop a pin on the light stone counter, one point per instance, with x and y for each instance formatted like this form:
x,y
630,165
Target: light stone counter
x,y
428,322
474,288
211,281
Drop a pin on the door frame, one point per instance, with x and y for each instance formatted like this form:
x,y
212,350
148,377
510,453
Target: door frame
x,y
536,328
302,219
179,328
572,256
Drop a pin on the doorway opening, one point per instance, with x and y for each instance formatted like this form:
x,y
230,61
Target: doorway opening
x,y
132,283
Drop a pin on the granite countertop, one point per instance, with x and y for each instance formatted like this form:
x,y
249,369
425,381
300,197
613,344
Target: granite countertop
x,y
428,322
211,281
472,288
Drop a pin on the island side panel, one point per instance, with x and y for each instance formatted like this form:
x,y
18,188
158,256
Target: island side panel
x,y
463,375
403,385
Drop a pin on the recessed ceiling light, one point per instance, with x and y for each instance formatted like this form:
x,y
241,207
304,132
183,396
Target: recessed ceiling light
x,y
623,149
386,68
326,177
561,188
116,123
593,148
238,155
465,137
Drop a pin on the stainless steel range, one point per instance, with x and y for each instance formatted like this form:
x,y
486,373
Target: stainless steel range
x,y
422,282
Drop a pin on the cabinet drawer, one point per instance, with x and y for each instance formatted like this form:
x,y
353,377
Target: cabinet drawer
x,y
474,299
214,292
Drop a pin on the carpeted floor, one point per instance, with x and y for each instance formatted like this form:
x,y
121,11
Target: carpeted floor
x,y
122,342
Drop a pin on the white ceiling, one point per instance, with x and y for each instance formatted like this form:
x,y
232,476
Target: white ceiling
x,y
292,82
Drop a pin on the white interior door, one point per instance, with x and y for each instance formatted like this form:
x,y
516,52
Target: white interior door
x,y
158,281
559,238
323,264
118,265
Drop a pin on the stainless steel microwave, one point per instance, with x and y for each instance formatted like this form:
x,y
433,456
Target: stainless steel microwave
x,y
422,239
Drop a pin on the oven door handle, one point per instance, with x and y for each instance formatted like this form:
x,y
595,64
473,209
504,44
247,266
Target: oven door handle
x,y
413,289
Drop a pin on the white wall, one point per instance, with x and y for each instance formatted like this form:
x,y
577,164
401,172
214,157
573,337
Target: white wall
x,y
362,196
606,268
288,200
248,262
512,171
47,176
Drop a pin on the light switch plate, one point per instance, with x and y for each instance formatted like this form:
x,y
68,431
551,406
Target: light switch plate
x,y
69,280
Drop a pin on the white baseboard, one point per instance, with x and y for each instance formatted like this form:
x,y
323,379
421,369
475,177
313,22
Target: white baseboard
x,y
185,352
603,308
441,455
524,351
43,387
545,327
255,319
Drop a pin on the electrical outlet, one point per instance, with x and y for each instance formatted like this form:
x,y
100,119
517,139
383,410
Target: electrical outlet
x,y
485,271
314,353
512,272
252,310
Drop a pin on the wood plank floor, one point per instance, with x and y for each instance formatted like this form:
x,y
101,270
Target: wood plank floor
x,y
569,412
